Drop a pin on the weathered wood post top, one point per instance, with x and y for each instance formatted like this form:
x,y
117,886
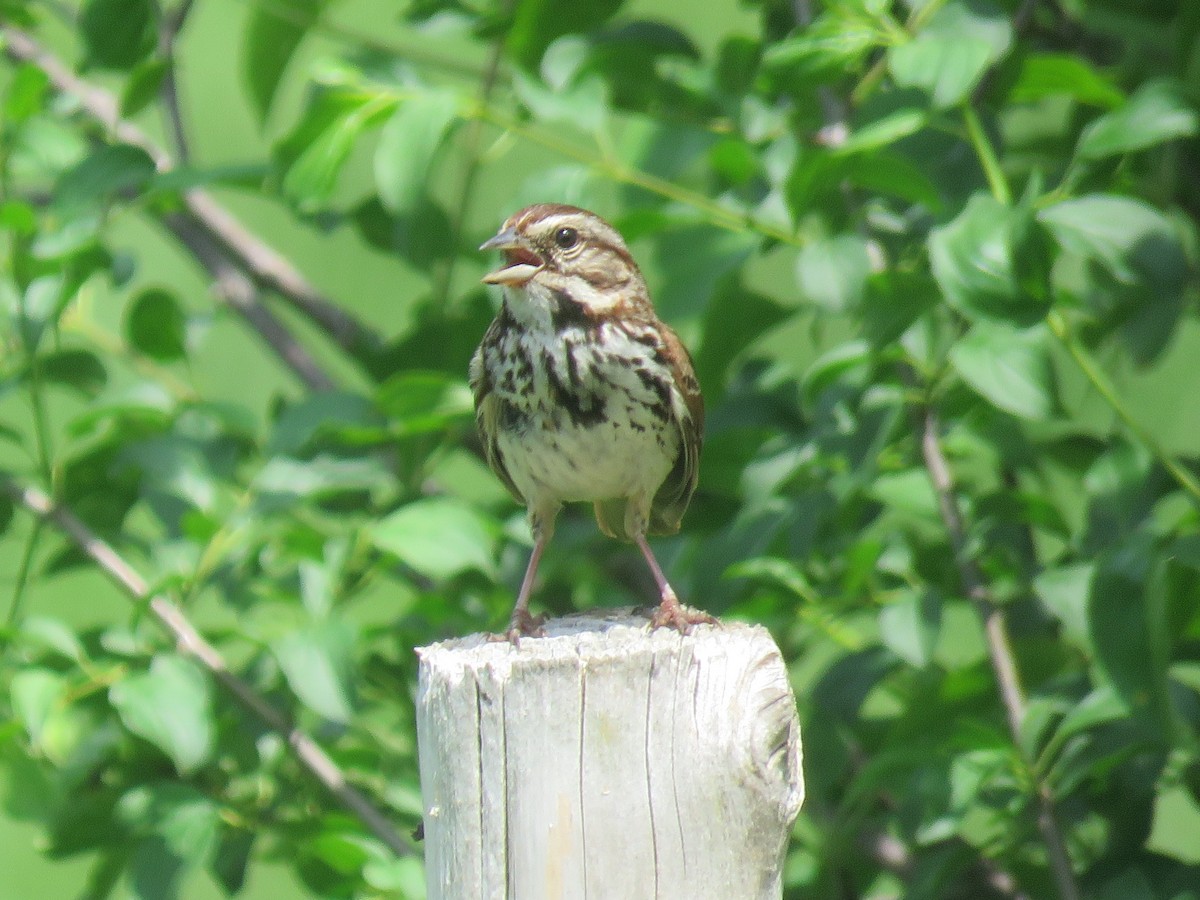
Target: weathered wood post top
x,y
608,761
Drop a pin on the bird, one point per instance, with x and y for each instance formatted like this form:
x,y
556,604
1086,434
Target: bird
x,y
582,394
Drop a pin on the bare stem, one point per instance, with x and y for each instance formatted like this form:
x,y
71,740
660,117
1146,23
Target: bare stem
x,y
171,25
188,640
999,645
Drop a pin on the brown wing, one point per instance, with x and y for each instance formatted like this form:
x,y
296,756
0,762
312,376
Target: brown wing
x,y
487,415
687,407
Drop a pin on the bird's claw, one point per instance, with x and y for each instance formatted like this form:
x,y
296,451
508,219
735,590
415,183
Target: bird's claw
x,y
522,624
673,614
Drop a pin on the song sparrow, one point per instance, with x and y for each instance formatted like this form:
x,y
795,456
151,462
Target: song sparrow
x,y
581,393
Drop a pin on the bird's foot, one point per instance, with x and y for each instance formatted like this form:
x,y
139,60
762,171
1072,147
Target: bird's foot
x,y
522,624
673,614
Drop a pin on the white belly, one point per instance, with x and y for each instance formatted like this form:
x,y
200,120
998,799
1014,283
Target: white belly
x,y
600,462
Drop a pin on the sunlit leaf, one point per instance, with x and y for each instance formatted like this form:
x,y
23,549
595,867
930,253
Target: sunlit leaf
x,y
408,146
833,273
318,662
986,262
949,55
910,625
439,538
171,707
1049,74
1157,112
1010,367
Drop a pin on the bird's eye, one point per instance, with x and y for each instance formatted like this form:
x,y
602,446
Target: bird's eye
x,y
566,238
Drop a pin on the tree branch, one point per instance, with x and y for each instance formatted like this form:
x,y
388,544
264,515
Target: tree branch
x,y
999,646
237,290
188,640
171,24
261,263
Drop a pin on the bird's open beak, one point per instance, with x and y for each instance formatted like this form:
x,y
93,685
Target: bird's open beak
x,y
521,262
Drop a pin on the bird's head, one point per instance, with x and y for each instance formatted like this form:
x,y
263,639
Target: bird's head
x,y
552,249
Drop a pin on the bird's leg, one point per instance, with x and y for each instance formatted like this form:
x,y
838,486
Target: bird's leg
x,y
522,621
670,611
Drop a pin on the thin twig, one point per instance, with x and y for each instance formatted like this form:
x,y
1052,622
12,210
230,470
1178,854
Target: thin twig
x,y
188,640
995,627
167,33
262,262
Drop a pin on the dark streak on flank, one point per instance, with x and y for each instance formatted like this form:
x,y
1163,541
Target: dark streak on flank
x,y
584,408
662,390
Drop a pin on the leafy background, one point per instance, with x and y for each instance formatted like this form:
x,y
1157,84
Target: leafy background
x,y
937,262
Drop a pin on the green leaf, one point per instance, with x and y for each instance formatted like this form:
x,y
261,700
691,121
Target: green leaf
x,y
1134,241
317,150
171,707
909,626
584,103
118,34
836,41
77,368
26,94
1009,367
273,33
1117,625
692,260
833,272
986,262
53,634
109,171
305,423
318,663
232,859
439,538
909,492
948,57
880,133
35,695
1099,707
156,325
536,23
142,86
419,402
408,145
321,476
174,465
176,828
1065,591
1044,75
1157,112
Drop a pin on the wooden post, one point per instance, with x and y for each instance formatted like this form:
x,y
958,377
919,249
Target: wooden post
x,y
607,761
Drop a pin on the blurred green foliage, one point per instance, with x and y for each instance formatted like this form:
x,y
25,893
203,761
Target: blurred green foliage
x,y
896,235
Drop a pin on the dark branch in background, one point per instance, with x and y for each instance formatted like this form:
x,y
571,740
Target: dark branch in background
x,y
999,646
261,264
236,288
189,641
171,24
